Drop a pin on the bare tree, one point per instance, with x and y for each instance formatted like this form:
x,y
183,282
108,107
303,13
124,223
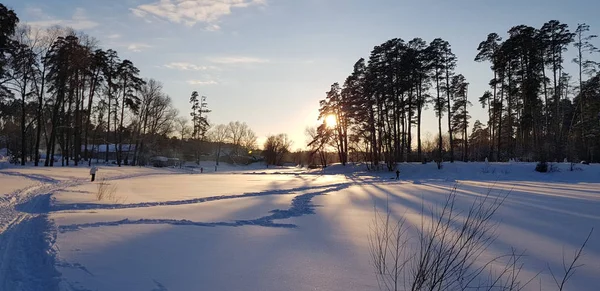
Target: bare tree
x,y
448,249
156,116
182,126
249,140
275,148
218,135
240,136
570,268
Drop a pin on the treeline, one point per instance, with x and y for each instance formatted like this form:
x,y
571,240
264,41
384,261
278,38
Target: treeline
x,y
537,111
63,95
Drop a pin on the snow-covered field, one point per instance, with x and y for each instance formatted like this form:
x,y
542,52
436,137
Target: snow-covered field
x,y
270,229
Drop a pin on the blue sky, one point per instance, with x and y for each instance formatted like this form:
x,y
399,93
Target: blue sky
x,y
269,62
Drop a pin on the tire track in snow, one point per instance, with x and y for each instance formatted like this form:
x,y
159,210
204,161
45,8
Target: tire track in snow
x,y
301,205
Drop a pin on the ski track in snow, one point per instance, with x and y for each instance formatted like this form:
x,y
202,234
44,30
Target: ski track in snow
x,y
27,236
301,205
95,206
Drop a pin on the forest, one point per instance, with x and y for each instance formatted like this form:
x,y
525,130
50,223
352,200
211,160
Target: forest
x,y
65,99
537,111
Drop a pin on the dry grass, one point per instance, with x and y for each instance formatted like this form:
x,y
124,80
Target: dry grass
x,y
107,191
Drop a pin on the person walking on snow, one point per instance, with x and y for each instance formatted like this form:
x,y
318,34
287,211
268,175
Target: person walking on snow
x,y
397,174
93,171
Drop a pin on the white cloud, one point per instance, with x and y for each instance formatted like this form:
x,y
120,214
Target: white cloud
x,y
213,27
113,36
190,12
237,60
138,47
188,67
202,83
79,20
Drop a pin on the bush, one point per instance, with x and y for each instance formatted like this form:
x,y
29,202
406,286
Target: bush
x,y
446,252
108,192
541,167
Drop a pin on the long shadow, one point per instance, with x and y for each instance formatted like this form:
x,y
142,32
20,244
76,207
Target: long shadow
x,y
529,218
301,205
94,206
250,254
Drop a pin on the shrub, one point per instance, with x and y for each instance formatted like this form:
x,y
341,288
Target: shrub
x,y
108,192
446,251
541,167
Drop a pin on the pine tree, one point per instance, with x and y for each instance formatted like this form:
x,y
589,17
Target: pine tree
x,y
489,51
438,61
460,113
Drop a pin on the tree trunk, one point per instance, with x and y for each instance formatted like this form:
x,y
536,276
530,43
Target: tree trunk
x,y
419,111
120,152
440,110
40,113
449,114
23,130
499,133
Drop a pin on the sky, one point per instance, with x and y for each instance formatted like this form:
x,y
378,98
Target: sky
x,y
269,62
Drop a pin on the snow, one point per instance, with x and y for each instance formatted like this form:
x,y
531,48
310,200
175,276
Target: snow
x,y
252,228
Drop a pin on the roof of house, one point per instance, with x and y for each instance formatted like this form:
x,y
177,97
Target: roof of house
x,y
111,148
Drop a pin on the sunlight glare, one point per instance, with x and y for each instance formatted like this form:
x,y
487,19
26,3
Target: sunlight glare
x,y
330,121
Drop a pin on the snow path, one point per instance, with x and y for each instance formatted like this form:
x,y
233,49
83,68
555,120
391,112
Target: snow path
x,y
94,206
301,205
27,258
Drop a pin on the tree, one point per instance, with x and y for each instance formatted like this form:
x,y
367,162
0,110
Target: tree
x,y
449,64
182,127
319,139
130,84
275,149
96,79
584,47
110,65
219,135
21,75
241,137
8,25
334,107
460,114
437,52
489,51
556,38
199,123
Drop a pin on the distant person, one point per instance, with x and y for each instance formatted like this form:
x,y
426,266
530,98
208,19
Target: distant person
x,y
201,170
397,174
93,171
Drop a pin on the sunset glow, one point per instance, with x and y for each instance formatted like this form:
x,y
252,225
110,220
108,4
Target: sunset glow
x,y
330,121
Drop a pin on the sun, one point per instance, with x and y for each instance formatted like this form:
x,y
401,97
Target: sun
x,y
330,121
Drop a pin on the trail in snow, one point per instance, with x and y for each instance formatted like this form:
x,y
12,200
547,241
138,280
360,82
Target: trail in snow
x,y
95,206
27,257
301,205
27,262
